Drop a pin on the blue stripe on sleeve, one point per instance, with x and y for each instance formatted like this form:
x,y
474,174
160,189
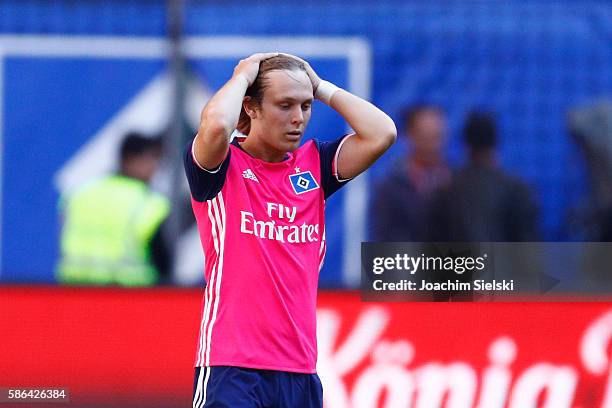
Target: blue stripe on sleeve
x,y
203,184
327,153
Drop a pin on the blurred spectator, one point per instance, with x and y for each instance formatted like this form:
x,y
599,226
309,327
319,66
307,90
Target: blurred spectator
x,y
401,201
591,128
482,203
112,227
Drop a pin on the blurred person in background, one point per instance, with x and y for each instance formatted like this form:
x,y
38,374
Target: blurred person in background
x,y
260,208
483,203
401,204
112,227
590,126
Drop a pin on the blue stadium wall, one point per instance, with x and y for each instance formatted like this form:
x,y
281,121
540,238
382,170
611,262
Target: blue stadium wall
x,y
527,61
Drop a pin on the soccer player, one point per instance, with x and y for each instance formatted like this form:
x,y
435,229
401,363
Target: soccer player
x,y
259,204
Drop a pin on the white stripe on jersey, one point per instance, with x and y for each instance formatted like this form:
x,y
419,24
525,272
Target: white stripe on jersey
x,y
208,292
322,250
219,211
209,285
322,258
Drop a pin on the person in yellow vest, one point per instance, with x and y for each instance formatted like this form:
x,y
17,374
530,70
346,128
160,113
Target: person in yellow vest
x,y
112,227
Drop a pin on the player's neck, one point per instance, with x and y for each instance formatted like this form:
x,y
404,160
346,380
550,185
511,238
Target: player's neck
x,y
260,150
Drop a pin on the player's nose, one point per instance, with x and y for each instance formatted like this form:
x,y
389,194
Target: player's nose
x,y
297,116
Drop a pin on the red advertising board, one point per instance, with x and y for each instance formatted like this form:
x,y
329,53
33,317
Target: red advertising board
x,y
461,355
119,347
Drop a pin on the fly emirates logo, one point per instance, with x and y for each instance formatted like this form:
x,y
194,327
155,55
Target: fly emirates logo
x,y
272,228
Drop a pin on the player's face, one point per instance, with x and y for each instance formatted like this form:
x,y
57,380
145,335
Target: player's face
x,y
285,109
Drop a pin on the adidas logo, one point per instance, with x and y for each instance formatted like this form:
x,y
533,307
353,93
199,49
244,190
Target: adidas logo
x,y
248,174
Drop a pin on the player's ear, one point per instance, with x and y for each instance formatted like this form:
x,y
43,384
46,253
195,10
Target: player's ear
x,y
250,107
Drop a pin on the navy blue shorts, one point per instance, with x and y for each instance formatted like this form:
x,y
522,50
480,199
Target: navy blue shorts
x,y
236,387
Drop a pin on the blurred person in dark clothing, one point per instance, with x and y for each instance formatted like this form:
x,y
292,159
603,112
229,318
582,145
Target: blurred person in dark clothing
x,y
113,227
402,199
590,126
483,203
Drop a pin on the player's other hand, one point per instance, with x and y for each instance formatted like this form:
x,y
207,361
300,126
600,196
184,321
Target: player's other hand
x,y
249,67
314,78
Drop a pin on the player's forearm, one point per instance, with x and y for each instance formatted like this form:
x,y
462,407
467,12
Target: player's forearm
x,y
372,126
218,120
375,132
223,109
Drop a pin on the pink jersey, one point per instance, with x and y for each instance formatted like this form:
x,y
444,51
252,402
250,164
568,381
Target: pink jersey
x,y
262,227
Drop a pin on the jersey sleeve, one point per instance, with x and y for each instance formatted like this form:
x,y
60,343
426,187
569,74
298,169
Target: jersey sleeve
x,y
204,184
328,156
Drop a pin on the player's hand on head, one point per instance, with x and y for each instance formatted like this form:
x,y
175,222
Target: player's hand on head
x,y
249,67
314,78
